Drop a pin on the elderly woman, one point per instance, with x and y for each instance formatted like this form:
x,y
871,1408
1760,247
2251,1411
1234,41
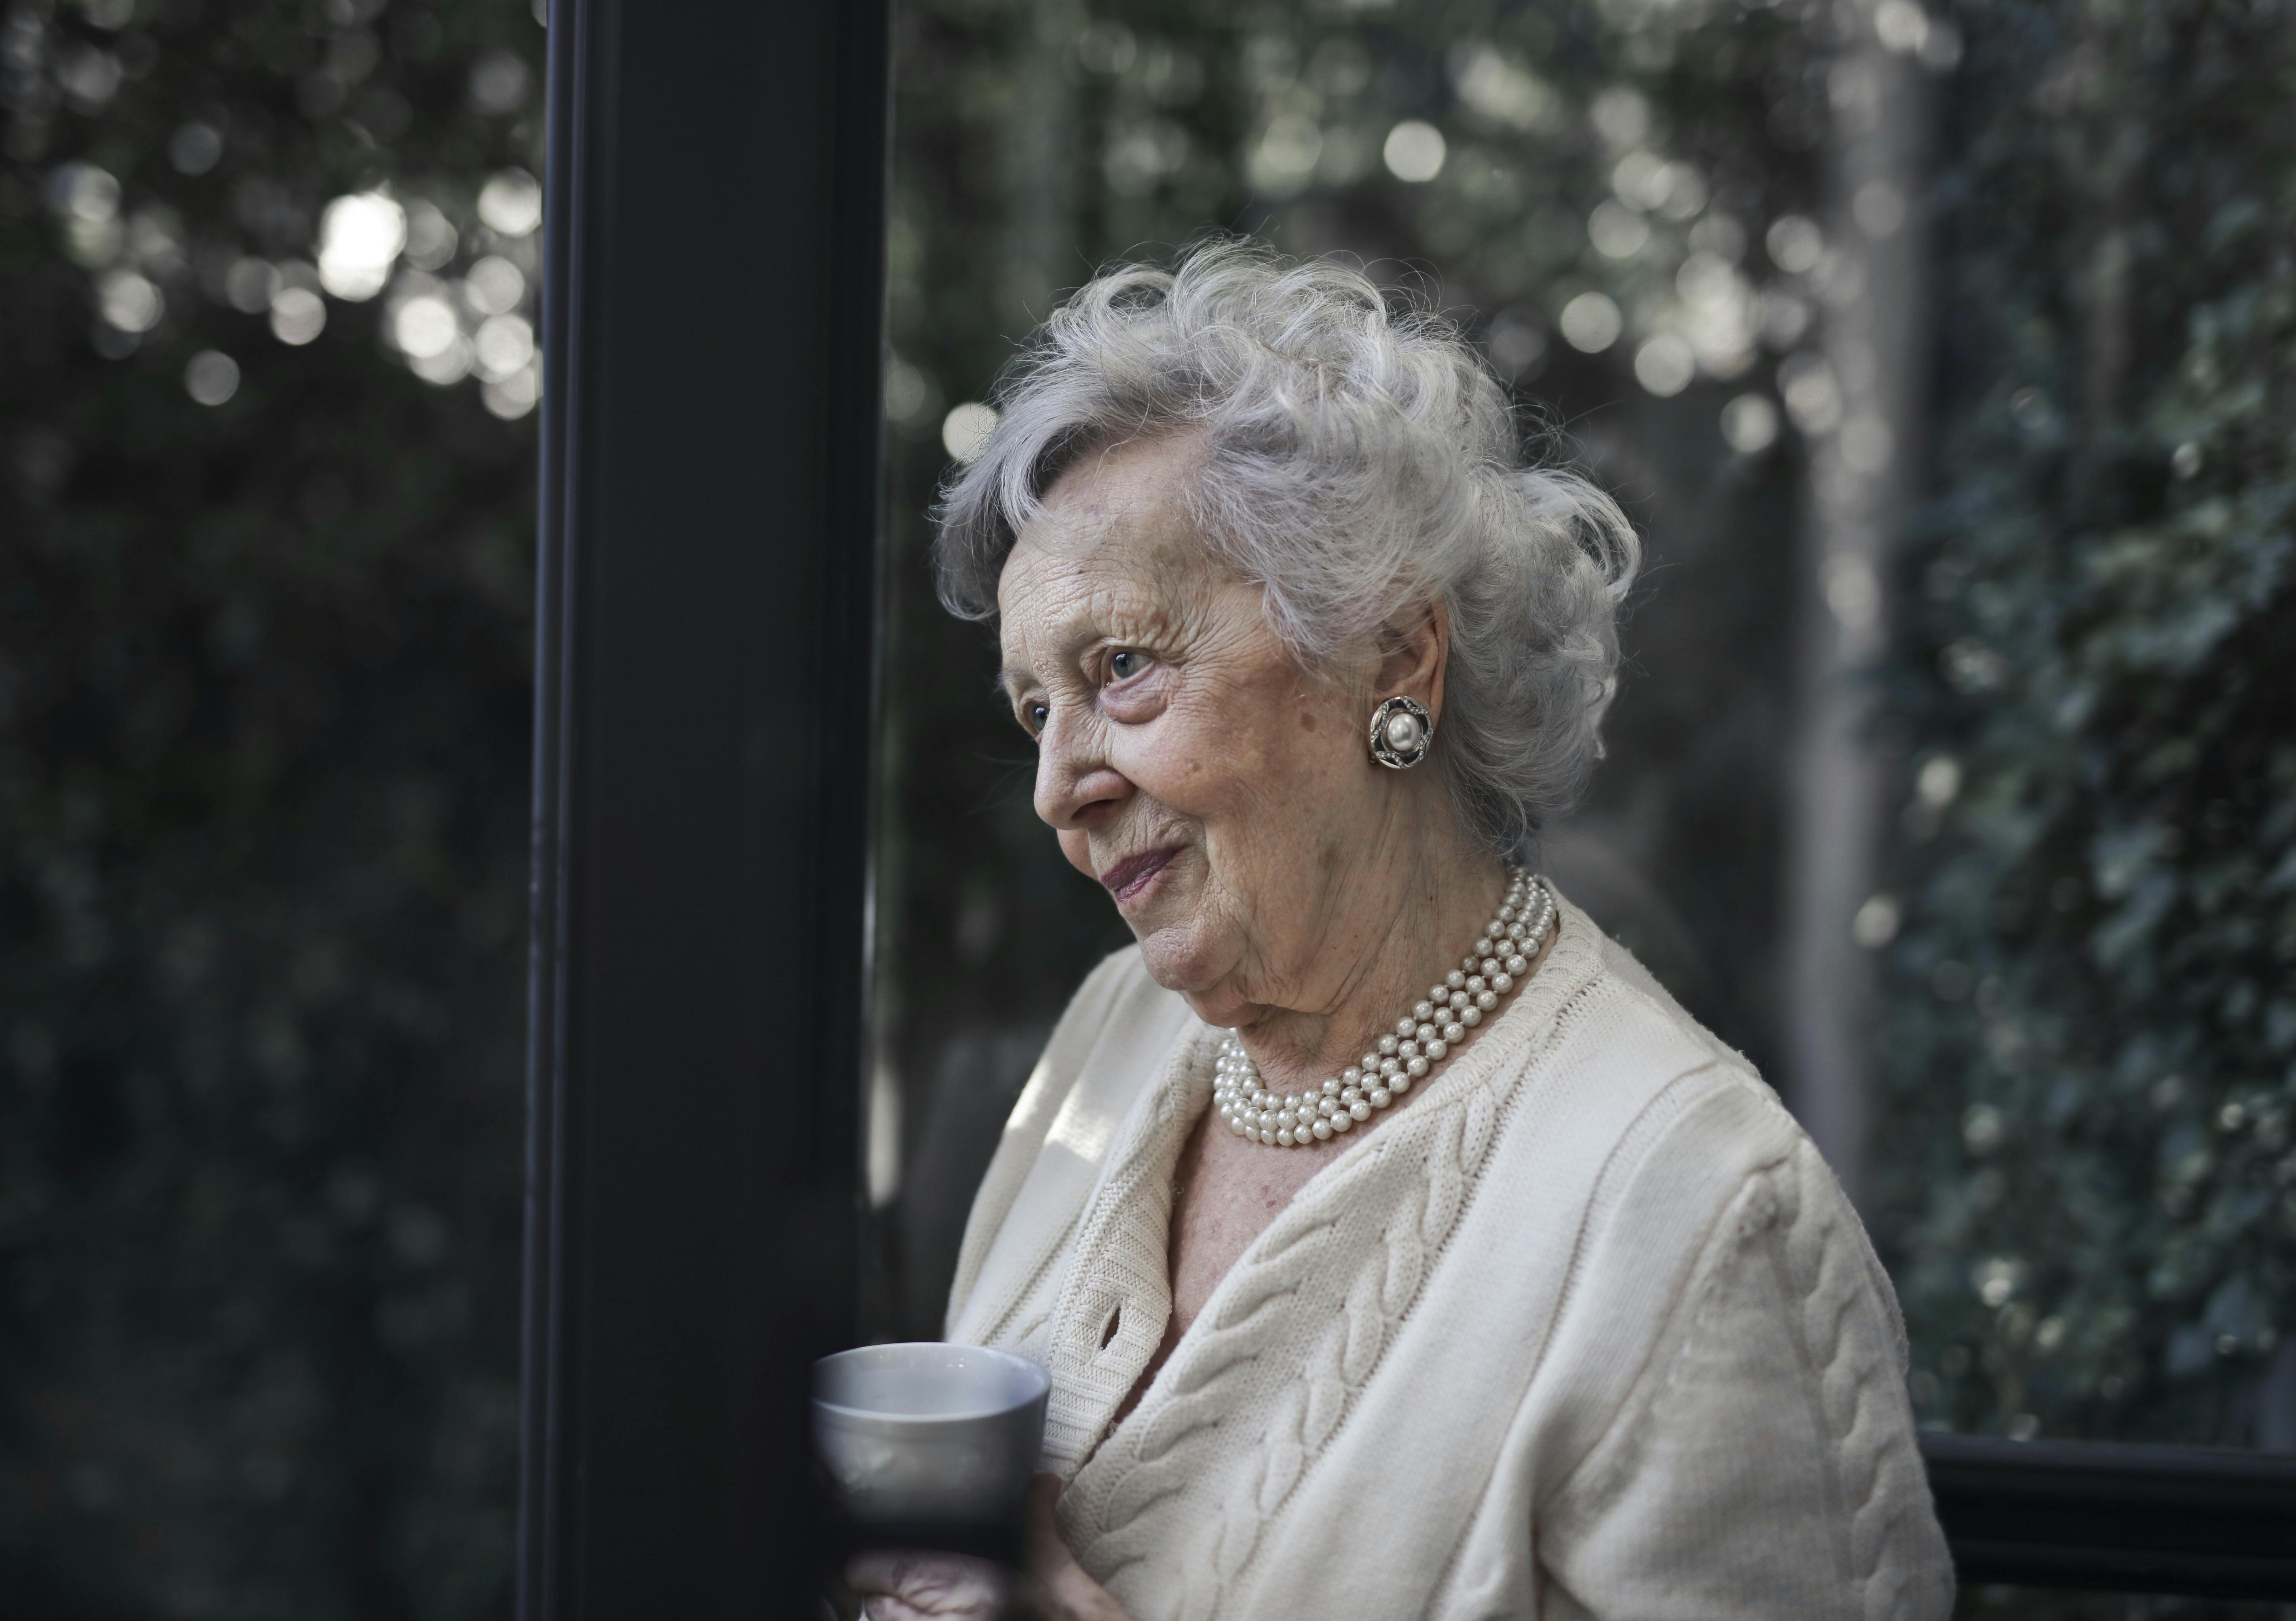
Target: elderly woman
x,y
1397,1245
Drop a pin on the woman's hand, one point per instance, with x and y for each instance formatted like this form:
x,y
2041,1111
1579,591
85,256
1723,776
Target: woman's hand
x,y
950,1587
928,1587
1058,1588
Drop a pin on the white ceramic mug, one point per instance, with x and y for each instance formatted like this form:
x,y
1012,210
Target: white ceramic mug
x,y
926,1433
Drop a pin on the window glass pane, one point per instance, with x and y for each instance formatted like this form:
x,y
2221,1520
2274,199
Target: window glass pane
x,y
1951,776
268,281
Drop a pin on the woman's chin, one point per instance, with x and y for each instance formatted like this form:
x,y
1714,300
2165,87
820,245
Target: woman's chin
x,y
1183,956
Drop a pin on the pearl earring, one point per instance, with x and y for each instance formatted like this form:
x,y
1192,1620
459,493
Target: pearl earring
x,y
1401,728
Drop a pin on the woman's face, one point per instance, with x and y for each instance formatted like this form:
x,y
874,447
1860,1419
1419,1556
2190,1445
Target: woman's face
x,y
1221,794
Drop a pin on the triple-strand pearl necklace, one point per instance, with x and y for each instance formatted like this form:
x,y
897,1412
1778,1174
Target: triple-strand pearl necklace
x,y
1290,1120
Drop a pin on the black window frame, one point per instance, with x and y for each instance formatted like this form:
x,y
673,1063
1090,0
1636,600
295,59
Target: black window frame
x,y
713,314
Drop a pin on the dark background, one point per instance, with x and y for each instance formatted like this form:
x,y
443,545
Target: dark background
x,y
264,681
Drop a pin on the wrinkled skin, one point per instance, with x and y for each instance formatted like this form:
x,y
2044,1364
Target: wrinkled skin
x,y
1276,876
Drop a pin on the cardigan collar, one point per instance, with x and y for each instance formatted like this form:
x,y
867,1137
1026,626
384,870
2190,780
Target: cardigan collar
x,y
1115,1299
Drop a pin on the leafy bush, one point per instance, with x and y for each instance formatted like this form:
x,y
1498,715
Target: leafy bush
x,y
2090,1049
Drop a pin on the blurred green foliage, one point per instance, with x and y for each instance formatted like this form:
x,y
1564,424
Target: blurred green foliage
x,y
2091,1040
264,678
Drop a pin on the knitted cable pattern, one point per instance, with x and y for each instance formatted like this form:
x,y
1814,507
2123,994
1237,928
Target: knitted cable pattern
x,y
1860,1375
1359,1265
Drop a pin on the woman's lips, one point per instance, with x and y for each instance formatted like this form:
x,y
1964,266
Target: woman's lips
x,y
1127,878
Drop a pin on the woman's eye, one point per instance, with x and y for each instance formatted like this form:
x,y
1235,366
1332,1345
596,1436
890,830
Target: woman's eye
x,y
1037,714
1126,664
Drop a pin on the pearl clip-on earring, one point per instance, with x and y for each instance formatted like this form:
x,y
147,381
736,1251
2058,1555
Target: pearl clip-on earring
x,y
1401,728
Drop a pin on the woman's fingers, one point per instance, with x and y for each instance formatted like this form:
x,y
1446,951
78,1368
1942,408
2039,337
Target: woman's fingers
x,y
1063,1592
928,1587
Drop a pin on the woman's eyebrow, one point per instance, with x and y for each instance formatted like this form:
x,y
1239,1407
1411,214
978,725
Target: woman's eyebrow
x,y
1011,679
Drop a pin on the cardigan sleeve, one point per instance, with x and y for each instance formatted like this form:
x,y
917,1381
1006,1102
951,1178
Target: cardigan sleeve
x,y
1763,1465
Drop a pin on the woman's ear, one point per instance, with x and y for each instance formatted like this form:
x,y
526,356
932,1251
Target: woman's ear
x,y
1413,653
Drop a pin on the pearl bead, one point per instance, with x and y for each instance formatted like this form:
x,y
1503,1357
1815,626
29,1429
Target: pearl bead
x,y
1428,1035
1403,732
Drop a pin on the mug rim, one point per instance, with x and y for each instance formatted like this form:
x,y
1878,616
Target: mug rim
x,y
1036,1373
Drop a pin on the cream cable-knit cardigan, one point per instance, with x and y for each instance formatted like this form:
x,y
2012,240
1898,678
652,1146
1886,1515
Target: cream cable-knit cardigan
x,y
1586,1330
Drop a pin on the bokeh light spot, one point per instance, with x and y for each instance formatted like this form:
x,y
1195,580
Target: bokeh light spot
x,y
424,327
212,377
964,431
1415,150
128,302
359,240
297,315
1616,230
511,202
1796,245
195,148
82,190
1665,366
1591,322
431,238
503,344
513,396
494,285
1750,423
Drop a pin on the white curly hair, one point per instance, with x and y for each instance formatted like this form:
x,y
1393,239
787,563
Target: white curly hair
x,y
1359,461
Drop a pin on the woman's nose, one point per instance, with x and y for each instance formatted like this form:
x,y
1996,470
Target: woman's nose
x,y
1075,787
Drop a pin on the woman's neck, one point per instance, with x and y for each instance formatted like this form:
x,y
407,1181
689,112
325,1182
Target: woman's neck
x,y
1401,925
